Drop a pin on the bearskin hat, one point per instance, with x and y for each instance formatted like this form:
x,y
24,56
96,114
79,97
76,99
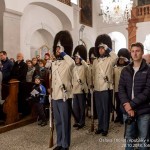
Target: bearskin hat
x,y
82,51
65,39
91,51
123,52
102,39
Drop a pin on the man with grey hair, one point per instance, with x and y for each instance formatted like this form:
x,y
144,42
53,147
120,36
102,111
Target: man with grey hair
x,y
19,72
19,69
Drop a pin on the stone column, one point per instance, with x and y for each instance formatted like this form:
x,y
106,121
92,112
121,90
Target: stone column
x,y
1,31
11,32
131,33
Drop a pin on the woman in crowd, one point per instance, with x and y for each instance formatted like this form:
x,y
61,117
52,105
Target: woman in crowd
x,y
35,63
30,72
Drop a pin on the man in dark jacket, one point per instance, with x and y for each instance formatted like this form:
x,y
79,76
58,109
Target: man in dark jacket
x,y
19,72
134,93
6,66
20,68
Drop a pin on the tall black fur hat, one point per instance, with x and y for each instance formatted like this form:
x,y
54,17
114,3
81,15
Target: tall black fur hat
x,y
123,52
91,51
66,41
102,39
82,51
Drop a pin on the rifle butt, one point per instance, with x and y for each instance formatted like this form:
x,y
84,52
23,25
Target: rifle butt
x,y
51,143
92,124
113,117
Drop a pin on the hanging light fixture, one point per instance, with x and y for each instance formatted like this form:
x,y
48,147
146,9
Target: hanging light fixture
x,y
116,11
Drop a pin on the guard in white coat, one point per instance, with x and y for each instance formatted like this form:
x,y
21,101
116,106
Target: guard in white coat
x,y
103,80
62,88
80,86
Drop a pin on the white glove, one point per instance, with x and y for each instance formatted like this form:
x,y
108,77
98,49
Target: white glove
x,y
125,59
77,55
103,45
1,102
61,47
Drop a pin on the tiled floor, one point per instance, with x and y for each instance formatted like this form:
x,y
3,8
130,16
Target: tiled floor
x,y
34,137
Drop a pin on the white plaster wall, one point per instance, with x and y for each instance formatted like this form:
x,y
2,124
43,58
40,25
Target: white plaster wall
x,y
119,39
2,8
143,29
33,19
1,31
89,33
64,10
40,38
108,28
11,33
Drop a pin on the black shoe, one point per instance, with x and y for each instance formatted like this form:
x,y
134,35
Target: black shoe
x,y
44,123
58,148
76,125
39,122
121,122
99,131
64,148
117,120
104,133
80,126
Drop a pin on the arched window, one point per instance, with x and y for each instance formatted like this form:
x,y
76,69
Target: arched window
x,y
118,41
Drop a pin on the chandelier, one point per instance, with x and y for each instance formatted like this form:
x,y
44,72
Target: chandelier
x,y
116,11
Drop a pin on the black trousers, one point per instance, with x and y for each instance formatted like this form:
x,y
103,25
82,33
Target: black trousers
x,y
103,104
79,103
118,109
40,111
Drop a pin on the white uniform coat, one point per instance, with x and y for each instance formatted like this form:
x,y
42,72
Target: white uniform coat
x,y
117,73
103,67
82,72
64,68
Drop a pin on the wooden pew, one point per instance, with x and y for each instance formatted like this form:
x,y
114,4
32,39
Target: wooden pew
x,y
10,106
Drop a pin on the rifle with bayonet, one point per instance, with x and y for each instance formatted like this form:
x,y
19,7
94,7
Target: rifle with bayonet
x,y
51,124
92,104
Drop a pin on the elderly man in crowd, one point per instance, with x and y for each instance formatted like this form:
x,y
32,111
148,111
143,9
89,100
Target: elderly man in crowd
x,y
19,72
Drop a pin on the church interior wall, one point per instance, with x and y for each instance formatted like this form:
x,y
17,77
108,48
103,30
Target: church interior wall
x,y
22,28
143,29
33,19
2,7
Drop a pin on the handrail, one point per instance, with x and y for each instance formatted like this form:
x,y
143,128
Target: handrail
x,y
143,10
141,13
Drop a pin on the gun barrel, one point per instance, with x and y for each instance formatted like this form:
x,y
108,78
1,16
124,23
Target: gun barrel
x,y
92,112
51,144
